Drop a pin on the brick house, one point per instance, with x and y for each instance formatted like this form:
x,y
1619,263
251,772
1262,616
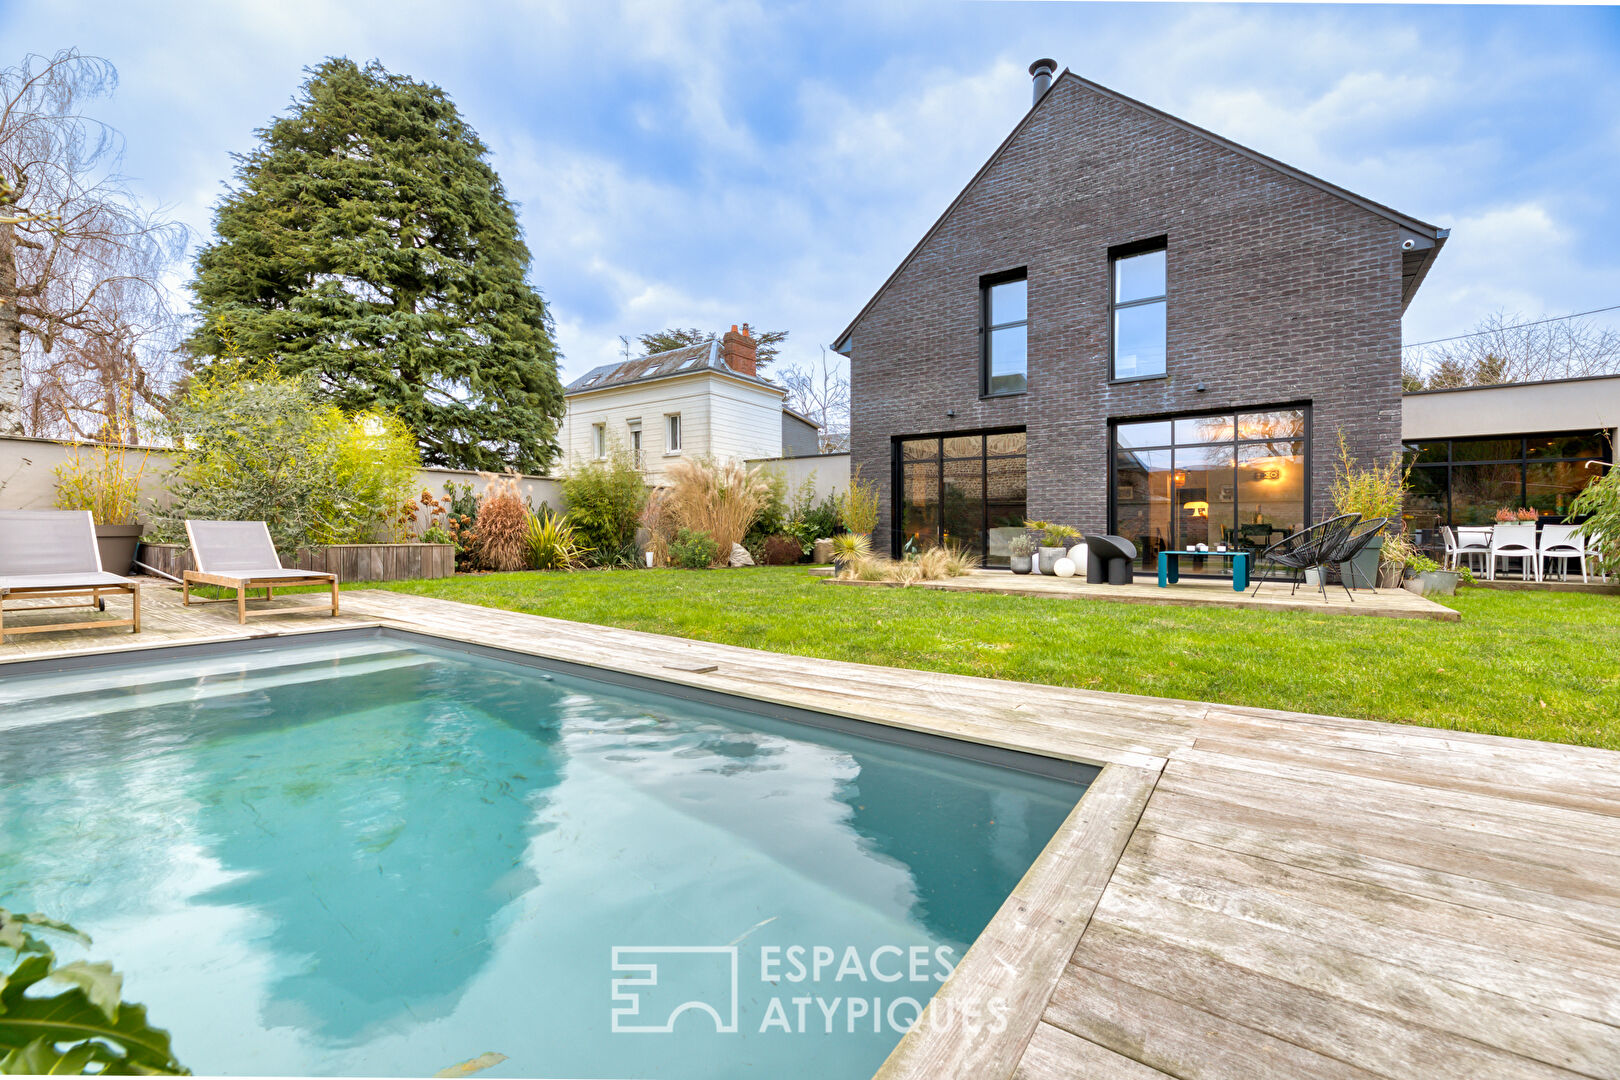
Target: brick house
x,y
1126,323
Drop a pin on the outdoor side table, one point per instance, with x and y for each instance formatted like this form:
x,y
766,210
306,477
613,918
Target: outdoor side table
x,y
1170,566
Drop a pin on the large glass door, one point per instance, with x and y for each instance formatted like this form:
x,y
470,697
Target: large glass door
x,y
968,490
1233,479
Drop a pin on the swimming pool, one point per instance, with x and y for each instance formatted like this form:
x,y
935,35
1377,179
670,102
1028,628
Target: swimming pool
x,y
370,853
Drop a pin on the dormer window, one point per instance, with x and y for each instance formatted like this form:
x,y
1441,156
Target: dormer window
x,y
1138,310
1004,316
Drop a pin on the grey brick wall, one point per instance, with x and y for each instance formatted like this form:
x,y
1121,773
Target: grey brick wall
x,y
1278,292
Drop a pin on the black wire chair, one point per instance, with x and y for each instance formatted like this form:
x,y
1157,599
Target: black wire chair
x,y
1306,550
1352,544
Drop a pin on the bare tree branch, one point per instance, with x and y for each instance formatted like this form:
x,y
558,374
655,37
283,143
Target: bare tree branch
x,y
1509,349
85,321
821,392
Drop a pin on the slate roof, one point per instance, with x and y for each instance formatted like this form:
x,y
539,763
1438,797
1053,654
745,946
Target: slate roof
x,y
664,365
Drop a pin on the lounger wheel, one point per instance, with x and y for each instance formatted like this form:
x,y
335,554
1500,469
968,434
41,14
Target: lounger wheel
x,y
101,603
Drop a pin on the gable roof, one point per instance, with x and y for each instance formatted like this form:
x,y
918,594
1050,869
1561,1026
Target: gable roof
x,y
1427,239
686,360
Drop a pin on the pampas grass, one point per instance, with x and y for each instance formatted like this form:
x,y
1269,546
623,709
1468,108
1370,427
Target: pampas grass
x,y
932,565
501,540
721,499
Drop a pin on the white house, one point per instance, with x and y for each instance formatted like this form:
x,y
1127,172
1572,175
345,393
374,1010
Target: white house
x,y
702,400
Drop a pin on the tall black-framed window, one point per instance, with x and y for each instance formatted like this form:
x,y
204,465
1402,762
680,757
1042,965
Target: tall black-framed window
x,y
1137,309
1466,481
1004,333
1239,478
968,489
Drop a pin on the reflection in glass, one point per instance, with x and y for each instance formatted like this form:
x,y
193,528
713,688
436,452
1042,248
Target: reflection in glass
x,y
1426,496
1006,496
1009,357
1202,475
1204,429
1550,485
1143,484
1139,341
920,449
1139,277
1478,491
1153,433
1270,492
1277,424
919,506
961,446
1580,444
1008,303
1004,443
1486,449
964,503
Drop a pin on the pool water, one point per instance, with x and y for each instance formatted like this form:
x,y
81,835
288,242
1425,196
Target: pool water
x,y
371,856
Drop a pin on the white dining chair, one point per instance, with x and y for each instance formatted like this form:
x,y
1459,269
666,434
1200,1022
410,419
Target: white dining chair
x,y
1564,543
1468,546
1516,542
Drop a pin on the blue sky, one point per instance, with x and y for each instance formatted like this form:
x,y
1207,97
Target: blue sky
x,y
709,163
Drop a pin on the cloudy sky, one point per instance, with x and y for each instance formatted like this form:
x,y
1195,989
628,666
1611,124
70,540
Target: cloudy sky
x,y
708,163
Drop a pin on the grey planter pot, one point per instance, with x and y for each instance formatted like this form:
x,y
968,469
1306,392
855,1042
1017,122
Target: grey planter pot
x,y
1021,564
1434,583
117,544
1364,566
1048,558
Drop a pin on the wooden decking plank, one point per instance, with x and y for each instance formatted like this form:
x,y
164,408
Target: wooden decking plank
x,y
1277,836
1032,935
1589,844
1055,1054
1385,1043
1538,778
1167,1034
1421,997
1565,972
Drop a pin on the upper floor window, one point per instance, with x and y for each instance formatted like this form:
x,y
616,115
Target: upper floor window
x,y
599,441
1138,312
672,433
1005,312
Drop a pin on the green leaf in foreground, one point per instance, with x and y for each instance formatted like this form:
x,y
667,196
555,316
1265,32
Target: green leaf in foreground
x,y
84,1028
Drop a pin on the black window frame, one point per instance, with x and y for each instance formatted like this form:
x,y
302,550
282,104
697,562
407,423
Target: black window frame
x,y
1126,251
1451,462
986,283
1305,407
897,483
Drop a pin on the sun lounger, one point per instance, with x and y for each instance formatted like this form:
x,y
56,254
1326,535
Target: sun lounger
x,y
52,555
239,555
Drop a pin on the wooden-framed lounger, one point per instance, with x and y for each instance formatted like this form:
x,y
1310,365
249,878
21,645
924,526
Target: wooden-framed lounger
x,y
239,555
52,555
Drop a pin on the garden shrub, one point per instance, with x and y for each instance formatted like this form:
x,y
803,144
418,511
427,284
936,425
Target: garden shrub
x,y
781,551
722,499
259,446
551,543
605,499
501,539
859,506
693,550
1601,500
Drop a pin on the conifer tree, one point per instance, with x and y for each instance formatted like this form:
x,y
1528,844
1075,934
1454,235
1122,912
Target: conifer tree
x,y
367,240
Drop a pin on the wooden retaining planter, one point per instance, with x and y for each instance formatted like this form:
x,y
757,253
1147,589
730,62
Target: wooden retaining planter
x,y
350,562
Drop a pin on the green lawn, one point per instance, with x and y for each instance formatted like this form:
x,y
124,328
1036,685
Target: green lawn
x,y
1534,665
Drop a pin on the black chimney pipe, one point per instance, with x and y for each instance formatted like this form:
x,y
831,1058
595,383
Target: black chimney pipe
x,y
1041,71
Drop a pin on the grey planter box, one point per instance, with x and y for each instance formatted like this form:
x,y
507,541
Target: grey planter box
x,y
1434,583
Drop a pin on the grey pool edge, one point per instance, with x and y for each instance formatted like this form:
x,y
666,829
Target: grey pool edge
x,y
1075,772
